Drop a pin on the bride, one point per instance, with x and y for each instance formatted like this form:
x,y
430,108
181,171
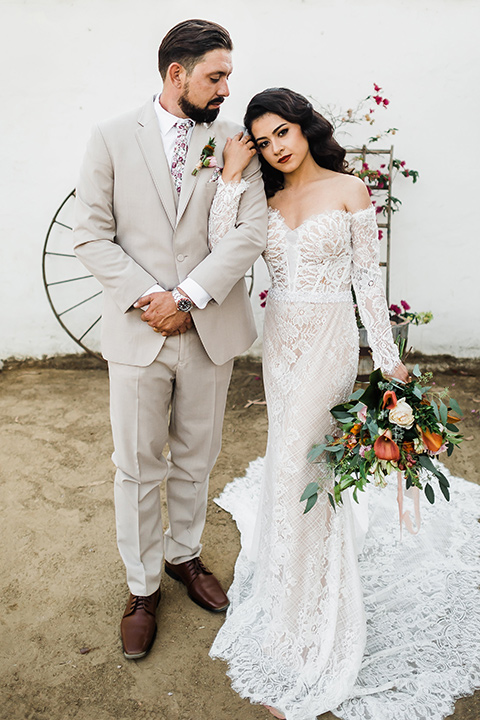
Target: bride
x,y
295,634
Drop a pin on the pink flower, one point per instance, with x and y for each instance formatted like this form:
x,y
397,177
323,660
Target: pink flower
x,y
362,414
211,162
364,449
404,305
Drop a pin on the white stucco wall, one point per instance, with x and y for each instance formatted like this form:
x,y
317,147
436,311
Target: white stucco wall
x,y
68,63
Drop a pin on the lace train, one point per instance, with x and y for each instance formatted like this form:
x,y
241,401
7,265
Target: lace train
x,y
421,604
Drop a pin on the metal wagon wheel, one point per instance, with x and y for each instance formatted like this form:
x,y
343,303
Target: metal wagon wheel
x,y
75,296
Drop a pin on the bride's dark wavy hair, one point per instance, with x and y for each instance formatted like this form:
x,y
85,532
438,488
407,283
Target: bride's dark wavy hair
x,y
296,109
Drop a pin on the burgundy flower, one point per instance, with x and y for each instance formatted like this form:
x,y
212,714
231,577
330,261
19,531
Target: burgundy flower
x,y
376,87
404,305
397,310
377,99
263,298
386,102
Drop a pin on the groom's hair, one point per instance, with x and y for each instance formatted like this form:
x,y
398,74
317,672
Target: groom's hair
x,y
189,41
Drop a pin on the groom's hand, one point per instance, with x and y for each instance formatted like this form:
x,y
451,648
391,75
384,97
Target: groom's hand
x,y
162,314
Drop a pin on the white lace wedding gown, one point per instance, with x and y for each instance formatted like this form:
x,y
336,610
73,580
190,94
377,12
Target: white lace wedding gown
x,y
312,628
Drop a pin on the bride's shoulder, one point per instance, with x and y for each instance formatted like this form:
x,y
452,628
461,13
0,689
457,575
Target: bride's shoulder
x,y
354,193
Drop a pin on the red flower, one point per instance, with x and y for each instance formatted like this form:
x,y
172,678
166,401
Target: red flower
x,y
386,102
394,308
404,305
380,234
385,448
389,400
376,87
377,99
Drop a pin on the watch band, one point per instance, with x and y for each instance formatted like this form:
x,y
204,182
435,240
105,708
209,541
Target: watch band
x,y
183,303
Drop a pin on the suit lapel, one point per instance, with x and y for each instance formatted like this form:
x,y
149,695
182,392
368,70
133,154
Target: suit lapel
x,y
198,141
150,141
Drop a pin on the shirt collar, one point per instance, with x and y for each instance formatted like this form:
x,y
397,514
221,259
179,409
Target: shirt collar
x,y
166,120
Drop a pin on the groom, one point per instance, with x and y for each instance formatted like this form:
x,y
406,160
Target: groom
x,y
175,314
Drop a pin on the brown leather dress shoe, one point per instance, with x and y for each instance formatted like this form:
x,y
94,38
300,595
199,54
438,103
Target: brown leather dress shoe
x,y
139,626
202,586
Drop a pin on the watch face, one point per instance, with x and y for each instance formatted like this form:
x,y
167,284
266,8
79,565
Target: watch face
x,y
185,305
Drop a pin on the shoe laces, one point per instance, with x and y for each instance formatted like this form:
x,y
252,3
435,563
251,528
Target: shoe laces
x,y
141,602
196,566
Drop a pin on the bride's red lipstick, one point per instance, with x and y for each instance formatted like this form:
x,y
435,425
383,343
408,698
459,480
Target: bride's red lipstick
x,y
285,158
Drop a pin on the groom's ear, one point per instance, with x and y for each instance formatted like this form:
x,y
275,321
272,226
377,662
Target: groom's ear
x,y
176,75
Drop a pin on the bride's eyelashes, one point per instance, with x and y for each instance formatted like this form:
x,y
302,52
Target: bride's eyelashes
x,y
265,143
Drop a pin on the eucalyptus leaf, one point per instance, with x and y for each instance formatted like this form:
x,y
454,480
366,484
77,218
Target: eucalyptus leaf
x,y
443,412
310,490
455,407
310,503
434,407
429,492
416,371
332,501
426,462
357,394
445,491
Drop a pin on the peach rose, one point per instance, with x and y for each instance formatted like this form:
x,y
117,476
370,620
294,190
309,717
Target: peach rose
x,y
402,414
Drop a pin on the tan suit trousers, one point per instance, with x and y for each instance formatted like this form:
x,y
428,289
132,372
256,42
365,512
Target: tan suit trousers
x,y
179,399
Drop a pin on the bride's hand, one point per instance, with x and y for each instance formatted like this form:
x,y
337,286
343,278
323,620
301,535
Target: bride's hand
x,y
400,373
237,153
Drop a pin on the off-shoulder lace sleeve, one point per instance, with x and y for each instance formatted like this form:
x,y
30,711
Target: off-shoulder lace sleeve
x,y
368,286
224,208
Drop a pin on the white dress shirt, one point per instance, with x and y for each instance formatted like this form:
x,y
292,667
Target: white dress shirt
x,y
167,121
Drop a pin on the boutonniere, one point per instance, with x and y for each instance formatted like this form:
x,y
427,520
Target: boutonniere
x,y
207,158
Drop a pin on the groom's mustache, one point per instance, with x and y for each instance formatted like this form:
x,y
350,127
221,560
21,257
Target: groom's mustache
x,y
216,101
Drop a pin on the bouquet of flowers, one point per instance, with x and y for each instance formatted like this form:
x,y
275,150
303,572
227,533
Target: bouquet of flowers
x,y
389,426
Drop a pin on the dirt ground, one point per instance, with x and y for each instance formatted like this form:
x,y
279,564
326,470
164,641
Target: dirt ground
x,y
62,581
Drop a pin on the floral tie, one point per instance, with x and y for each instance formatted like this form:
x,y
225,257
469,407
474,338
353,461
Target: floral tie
x,y
180,151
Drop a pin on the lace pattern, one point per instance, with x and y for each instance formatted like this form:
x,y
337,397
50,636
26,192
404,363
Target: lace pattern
x,y
421,603
223,211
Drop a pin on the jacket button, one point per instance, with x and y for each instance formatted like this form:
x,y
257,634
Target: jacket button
x,y
180,258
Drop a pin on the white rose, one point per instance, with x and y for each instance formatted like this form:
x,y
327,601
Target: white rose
x,y
402,414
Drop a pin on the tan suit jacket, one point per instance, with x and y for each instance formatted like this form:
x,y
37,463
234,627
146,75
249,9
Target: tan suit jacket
x,y
130,234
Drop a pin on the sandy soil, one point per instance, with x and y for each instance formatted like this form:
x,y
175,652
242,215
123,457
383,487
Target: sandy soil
x,y
62,582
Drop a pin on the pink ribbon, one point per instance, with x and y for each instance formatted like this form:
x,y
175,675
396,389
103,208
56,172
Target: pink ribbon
x,y
404,517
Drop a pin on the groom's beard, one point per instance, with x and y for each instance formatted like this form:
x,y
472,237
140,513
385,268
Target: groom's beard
x,y
198,114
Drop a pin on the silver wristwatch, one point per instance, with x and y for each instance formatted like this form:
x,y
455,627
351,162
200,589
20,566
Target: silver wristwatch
x,y
183,303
